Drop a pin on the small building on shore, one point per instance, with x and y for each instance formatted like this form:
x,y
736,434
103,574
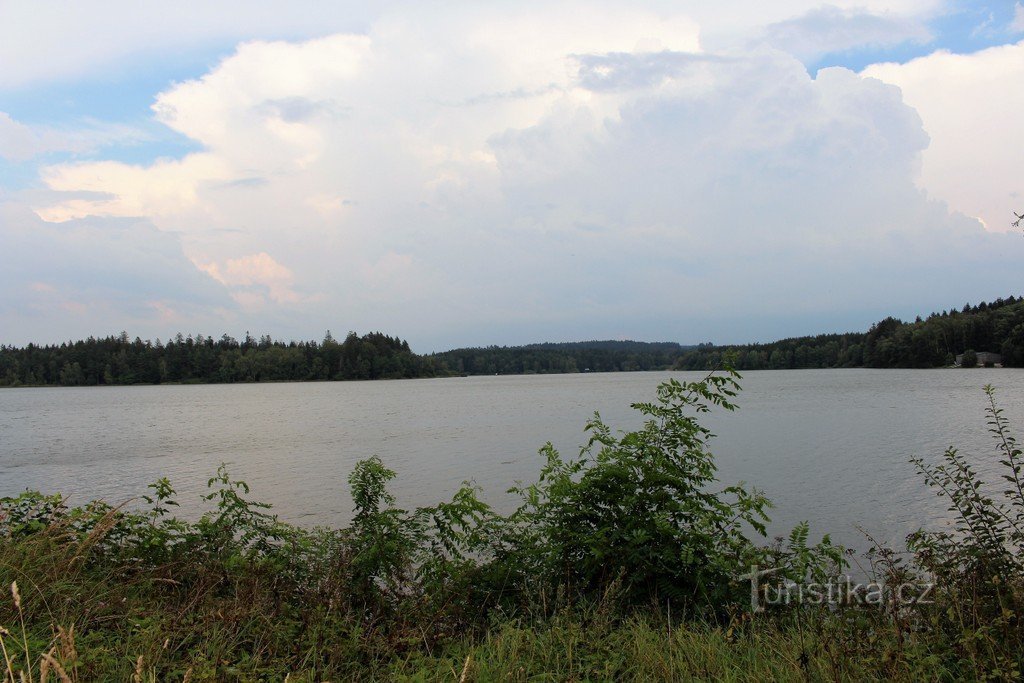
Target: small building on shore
x,y
984,358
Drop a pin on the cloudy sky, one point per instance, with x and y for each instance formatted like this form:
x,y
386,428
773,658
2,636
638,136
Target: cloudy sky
x,y
477,173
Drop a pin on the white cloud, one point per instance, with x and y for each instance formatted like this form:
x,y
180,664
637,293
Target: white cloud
x,y
474,176
255,279
971,108
163,188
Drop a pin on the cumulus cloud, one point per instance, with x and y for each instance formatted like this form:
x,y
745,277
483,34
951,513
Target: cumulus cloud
x,y
971,107
766,187
254,279
162,188
476,177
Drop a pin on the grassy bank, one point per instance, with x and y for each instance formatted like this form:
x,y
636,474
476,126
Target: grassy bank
x,y
623,563
148,633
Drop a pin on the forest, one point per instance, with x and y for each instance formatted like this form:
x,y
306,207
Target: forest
x,y
935,341
119,360
589,356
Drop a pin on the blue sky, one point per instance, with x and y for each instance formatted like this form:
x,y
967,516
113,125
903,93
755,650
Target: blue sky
x,y
963,28
504,174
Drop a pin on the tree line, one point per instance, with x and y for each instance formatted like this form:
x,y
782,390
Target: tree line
x,y
891,343
120,360
935,341
589,356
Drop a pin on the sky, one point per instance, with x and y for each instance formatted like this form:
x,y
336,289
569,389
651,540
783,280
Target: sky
x,y
465,173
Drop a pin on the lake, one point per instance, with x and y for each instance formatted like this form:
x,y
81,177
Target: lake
x,y
828,446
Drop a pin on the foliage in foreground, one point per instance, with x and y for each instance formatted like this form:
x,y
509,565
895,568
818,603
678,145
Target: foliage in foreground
x,y
621,563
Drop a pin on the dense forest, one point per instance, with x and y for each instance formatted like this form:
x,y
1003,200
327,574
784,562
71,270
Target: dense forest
x,y
996,327
119,360
590,356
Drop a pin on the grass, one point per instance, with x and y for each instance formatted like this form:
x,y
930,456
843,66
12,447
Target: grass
x,y
580,644
89,604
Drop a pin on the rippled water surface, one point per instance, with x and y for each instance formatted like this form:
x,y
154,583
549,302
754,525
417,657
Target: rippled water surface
x,y
829,446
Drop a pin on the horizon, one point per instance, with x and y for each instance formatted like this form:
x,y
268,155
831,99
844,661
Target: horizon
x,y
517,172
280,340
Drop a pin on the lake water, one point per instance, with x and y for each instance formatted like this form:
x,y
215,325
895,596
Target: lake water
x,y
828,446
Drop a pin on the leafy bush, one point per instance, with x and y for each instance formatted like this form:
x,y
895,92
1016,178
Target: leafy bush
x,y
638,509
978,568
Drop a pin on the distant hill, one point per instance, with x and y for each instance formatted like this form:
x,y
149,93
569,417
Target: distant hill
x,y
545,358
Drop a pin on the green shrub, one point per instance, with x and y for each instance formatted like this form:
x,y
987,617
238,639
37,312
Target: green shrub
x,y
978,567
638,510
